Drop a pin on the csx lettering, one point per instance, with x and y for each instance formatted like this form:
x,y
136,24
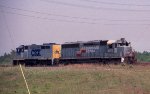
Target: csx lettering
x,y
35,52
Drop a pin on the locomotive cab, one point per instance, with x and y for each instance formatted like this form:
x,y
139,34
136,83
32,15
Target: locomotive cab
x,y
121,49
128,53
20,49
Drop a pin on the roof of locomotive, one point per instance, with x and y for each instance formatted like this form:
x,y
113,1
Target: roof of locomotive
x,y
83,42
44,44
121,40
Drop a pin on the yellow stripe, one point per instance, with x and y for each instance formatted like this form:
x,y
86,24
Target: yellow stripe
x,y
24,79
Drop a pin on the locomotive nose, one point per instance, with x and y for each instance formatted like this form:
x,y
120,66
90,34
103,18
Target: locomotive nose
x,y
130,55
128,52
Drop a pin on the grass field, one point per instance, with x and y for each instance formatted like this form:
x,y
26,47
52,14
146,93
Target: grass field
x,y
77,79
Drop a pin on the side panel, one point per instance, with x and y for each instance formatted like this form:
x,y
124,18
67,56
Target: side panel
x,y
69,51
36,52
56,51
90,51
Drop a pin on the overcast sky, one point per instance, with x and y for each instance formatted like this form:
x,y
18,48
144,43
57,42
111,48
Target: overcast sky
x,y
44,21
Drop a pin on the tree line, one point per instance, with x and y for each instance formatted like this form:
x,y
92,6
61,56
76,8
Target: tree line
x,y
143,56
7,58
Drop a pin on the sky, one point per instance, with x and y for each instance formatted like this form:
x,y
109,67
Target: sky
x,y
25,22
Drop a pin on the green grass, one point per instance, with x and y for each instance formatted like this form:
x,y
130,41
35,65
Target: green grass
x,y
76,79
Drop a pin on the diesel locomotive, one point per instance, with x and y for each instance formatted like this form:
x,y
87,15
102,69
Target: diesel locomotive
x,y
46,54
97,51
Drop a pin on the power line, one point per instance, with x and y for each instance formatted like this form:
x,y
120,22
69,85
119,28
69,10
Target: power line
x,y
71,17
125,20
60,20
8,30
74,17
112,3
92,7
113,24
70,21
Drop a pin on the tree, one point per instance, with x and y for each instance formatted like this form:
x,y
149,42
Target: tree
x,y
143,56
7,57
